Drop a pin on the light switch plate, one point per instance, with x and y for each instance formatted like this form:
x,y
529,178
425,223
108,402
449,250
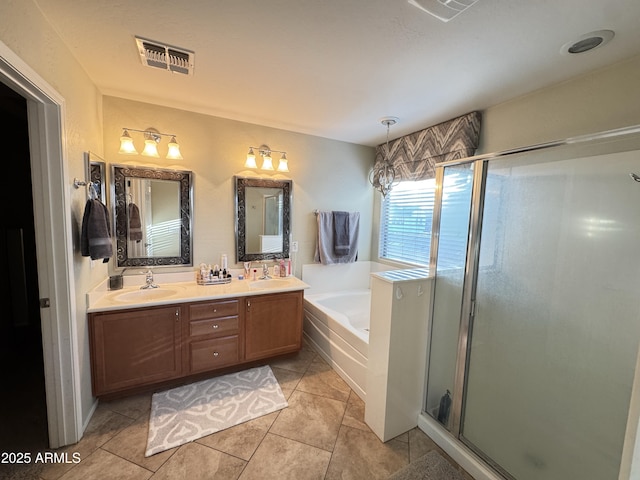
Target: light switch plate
x,y
294,247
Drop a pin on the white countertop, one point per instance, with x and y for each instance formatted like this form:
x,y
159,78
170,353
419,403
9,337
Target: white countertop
x,y
176,289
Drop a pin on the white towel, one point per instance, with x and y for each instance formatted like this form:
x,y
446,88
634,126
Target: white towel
x,y
325,252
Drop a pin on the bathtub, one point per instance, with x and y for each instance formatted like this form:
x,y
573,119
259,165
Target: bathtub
x,y
336,317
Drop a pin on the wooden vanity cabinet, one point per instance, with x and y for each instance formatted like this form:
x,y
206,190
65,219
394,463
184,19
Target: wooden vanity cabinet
x,y
273,324
131,348
213,335
149,345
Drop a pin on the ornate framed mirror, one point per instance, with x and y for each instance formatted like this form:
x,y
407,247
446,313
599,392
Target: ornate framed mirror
x,y
153,220
263,218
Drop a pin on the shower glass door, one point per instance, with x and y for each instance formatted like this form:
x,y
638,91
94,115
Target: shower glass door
x,y
454,200
554,336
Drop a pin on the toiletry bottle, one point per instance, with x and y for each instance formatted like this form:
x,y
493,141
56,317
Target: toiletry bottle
x,y
203,272
223,262
283,269
276,270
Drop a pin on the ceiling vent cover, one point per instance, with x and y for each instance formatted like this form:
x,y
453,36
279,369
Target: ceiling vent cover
x,y
156,55
443,10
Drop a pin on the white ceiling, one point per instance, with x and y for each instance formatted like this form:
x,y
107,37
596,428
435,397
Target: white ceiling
x,y
333,68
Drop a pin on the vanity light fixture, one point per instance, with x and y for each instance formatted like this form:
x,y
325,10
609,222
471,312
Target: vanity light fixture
x,y
383,175
151,140
267,161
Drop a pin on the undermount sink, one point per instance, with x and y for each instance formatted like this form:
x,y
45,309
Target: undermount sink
x,y
146,294
269,283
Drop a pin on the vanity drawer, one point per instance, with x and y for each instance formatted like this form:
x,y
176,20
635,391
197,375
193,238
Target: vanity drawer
x,y
206,310
214,326
214,353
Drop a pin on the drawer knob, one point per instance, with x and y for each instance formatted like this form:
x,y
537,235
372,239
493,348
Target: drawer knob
x,y
215,310
215,354
215,325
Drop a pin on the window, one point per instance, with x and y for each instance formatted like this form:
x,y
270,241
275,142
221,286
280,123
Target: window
x,y
407,214
405,226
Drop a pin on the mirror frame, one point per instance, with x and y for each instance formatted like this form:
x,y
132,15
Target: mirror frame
x,y
118,203
97,175
241,183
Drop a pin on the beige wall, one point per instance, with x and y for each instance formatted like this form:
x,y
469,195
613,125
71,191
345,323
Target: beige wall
x,y
602,100
29,36
326,174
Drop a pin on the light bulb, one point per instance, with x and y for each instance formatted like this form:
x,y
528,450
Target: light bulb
x,y
150,148
126,144
251,160
283,165
174,150
267,162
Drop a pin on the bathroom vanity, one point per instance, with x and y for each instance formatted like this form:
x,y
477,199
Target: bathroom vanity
x,y
141,338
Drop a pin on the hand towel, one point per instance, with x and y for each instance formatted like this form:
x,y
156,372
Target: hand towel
x,y
95,240
325,252
341,234
135,226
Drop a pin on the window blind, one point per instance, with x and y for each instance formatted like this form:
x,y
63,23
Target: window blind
x,y
405,227
407,216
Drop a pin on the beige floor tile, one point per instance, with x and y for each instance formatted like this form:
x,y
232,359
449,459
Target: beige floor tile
x,y
102,465
298,362
288,379
132,407
310,419
131,444
360,455
193,461
420,444
242,440
354,415
321,379
280,458
104,425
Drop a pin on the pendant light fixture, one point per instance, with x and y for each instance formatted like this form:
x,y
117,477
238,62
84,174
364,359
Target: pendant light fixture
x,y
383,175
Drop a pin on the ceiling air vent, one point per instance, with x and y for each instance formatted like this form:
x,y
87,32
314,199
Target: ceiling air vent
x,y
443,10
157,55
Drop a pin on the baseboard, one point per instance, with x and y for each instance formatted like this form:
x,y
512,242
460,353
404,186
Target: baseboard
x,y
456,450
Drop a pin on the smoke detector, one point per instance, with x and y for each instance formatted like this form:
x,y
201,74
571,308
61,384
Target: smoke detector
x,y
443,10
165,57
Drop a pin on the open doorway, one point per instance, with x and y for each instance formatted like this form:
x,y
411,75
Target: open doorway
x,y
23,413
52,223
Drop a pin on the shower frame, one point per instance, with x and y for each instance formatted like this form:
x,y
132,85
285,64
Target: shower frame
x,y
469,454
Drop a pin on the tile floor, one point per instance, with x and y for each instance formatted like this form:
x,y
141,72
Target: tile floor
x,y
320,435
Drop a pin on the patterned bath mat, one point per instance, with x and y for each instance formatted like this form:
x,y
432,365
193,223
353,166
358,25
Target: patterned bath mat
x,y
431,466
186,413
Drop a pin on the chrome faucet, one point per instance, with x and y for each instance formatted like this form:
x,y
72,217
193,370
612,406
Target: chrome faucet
x,y
149,281
265,272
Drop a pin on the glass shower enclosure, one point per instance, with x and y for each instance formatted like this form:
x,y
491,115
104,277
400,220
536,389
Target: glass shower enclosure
x,y
536,321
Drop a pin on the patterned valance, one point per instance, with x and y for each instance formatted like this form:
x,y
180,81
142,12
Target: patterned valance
x,y
414,156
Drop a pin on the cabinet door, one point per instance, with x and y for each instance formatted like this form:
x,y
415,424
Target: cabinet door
x,y
273,324
134,348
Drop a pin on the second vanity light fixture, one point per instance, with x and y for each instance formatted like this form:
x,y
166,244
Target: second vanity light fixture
x,y
267,162
151,140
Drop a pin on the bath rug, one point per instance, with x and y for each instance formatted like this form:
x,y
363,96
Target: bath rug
x,y
186,413
431,466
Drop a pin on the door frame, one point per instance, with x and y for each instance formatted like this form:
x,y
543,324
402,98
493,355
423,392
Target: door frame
x,y
54,246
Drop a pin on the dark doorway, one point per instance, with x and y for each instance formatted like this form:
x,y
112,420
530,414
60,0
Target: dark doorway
x,y
23,413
